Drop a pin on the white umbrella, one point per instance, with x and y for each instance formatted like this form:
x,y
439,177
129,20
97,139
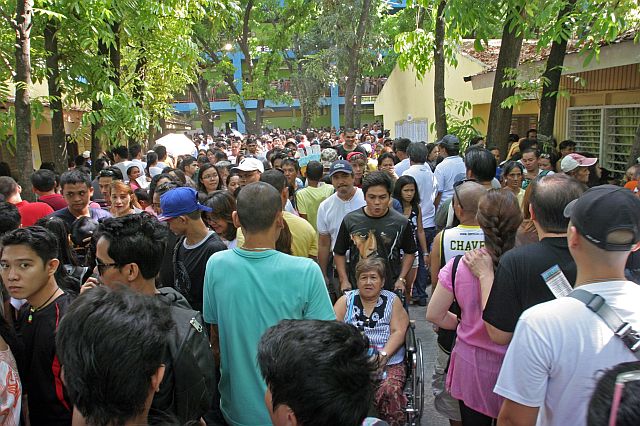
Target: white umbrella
x,y
177,144
237,134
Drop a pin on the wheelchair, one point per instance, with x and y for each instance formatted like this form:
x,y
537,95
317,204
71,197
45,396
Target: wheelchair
x,y
414,382
414,372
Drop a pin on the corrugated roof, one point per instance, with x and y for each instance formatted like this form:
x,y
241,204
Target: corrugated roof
x,y
529,52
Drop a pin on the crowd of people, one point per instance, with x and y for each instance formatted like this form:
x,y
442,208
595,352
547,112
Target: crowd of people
x,y
266,279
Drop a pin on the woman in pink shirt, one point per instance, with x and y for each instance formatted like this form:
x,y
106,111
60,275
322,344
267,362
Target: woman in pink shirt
x,y
475,359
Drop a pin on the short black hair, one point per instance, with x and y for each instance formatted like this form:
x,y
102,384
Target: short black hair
x,y
602,398
37,238
73,177
510,165
386,155
527,144
121,151
8,186
338,383
417,152
161,150
43,180
275,178
10,218
135,238
134,150
401,144
566,144
377,178
257,206
529,151
481,163
292,162
186,161
48,165
114,385
474,140
314,170
549,197
531,131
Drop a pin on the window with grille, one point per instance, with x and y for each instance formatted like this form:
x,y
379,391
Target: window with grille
x,y
607,132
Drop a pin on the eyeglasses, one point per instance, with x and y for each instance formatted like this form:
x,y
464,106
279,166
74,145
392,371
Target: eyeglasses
x,y
547,156
103,266
621,380
455,189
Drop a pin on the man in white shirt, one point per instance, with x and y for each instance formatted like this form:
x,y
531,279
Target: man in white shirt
x,y
417,152
558,347
448,171
120,158
400,147
346,199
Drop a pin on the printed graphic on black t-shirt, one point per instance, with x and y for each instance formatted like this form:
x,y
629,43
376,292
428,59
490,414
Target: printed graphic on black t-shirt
x,y
363,236
342,152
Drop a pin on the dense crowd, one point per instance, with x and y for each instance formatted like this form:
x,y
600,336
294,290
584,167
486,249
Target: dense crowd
x,y
265,279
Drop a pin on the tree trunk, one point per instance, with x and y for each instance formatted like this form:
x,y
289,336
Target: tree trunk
x,y
201,98
500,118
353,69
438,71
357,122
55,97
634,154
552,73
24,158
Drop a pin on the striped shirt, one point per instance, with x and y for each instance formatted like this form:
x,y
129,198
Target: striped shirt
x,y
376,326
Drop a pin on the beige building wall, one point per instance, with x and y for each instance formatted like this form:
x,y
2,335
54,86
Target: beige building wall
x,y
405,95
72,120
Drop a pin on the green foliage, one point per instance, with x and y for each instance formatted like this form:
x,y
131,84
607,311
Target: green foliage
x,y
457,124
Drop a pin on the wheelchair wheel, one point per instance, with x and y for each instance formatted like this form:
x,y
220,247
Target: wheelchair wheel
x,y
419,381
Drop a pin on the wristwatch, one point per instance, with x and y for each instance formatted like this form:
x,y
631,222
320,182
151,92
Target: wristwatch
x,y
402,279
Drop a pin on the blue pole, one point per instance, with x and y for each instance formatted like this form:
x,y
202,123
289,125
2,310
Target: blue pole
x,y
237,76
335,107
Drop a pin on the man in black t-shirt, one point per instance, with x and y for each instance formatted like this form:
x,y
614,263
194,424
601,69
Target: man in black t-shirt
x,y
349,145
28,264
375,230
518,283
181,209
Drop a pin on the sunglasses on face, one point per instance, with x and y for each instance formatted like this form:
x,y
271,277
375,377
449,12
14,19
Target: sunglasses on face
x,y
455,189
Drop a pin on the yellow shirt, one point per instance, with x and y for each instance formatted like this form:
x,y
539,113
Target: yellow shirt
x,y
304,240
308,200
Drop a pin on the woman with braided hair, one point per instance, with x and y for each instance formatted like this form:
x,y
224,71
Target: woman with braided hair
x,y
475,359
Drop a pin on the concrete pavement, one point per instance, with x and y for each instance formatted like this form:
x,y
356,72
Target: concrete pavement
x,y
424,331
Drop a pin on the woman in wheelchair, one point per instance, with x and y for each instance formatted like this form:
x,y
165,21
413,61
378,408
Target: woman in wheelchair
x,y
379,314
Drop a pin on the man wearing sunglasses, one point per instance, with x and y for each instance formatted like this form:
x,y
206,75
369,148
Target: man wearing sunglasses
x,y
129,252
559,347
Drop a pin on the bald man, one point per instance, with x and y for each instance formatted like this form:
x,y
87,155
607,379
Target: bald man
x,y
448,244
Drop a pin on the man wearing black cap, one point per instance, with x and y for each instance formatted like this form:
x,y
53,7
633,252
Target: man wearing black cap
x,y
450,169
560,346
331,211
182,211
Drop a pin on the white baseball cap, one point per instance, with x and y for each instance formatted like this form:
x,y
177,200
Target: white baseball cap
x,y
573,161
249,165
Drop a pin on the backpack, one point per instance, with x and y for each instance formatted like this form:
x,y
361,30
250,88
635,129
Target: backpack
x,y
190,384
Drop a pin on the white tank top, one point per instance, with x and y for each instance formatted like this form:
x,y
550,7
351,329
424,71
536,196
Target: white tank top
x,y
459,240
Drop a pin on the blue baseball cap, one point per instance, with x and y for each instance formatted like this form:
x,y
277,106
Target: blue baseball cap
x,y
178,202
340,166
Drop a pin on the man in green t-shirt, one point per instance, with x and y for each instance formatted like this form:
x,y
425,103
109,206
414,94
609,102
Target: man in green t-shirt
x,y
249,289
308,199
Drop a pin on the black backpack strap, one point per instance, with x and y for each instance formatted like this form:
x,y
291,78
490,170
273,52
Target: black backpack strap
x,y
442,261
456,262
620,327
